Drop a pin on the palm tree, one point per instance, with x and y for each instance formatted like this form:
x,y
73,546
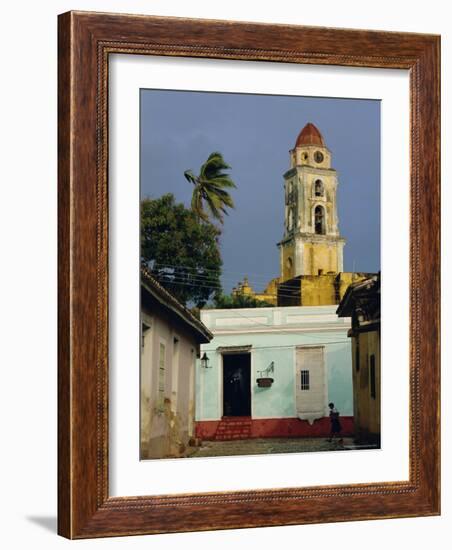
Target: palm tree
x,y
210,188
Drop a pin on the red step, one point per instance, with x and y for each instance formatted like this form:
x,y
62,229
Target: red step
x,y
233,427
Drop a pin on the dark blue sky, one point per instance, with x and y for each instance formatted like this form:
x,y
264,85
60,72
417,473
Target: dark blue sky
x,y
254,133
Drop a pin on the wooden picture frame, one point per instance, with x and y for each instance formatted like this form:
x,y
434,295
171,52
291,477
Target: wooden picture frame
x,y
86,40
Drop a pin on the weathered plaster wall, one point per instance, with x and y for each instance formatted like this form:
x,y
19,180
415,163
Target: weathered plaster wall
x,y
166,428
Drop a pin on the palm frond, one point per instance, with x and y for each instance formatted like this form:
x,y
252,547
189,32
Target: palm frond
x,y
215,206
222,180
213,166
189,176
210,188
223,196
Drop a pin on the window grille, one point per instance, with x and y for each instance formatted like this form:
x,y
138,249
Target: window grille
x,y
304,380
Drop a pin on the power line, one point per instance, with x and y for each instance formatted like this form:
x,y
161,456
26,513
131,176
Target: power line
x,y
170,277
287,331
172,266
206,277
256,322
198,278
263,324
180,280
218,287
293,330
299,344
202,279
260,274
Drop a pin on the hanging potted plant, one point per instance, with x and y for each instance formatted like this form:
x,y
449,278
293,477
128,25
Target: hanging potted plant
x,y
264,380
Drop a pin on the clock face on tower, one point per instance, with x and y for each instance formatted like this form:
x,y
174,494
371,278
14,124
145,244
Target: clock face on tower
x,y
318,156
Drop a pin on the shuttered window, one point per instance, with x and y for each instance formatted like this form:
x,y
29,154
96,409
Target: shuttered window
x,y
373,389
162,377
310,387
357,359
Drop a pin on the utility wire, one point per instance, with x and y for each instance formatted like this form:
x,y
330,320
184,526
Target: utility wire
x,y
263,324
299,344
228,271
218,287
199,282
224,274
170,277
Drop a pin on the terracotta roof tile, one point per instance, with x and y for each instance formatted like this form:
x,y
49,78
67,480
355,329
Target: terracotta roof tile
x,y
165,297
310,135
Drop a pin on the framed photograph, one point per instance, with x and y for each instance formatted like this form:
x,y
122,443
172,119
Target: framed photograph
x,y
248,275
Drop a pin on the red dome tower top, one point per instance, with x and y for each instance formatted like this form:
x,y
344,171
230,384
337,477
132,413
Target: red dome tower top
x,y
310,135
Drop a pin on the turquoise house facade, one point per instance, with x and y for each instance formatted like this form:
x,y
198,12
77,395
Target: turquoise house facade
x,y
273,371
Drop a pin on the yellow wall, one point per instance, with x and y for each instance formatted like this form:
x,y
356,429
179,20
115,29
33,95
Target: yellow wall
x,y
346,279
319,256
366,408
270,293
315,290
324,290
288,254
318,291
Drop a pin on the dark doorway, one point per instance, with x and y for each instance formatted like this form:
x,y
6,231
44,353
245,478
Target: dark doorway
x,y
237,384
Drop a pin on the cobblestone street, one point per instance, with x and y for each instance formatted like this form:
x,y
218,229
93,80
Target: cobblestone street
x,y
271,445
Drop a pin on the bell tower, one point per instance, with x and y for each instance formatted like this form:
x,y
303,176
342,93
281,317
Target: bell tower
x,y
311,244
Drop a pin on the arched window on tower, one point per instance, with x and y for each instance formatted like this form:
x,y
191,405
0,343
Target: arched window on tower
x,y
319,220
319,190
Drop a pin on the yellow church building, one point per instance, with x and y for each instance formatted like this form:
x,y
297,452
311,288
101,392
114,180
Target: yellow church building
x,y
311,250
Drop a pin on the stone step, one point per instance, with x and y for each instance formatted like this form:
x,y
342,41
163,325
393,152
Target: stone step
x,y
236,434
229,419
233,433
233,428
229,438
233,424
229,435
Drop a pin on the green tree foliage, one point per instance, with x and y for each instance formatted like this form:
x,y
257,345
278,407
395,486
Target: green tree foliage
x,y
181,252
223,301
210,192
